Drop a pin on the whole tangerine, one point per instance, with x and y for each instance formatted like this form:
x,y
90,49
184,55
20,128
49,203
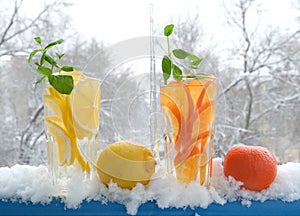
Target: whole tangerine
x,y
254,166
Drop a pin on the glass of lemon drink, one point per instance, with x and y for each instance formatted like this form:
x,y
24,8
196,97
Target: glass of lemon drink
x,y
71,112
71,124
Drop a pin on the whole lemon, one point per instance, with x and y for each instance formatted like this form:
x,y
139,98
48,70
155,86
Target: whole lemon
x,y
126,164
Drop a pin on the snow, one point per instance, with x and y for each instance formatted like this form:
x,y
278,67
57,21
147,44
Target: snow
x,y
25,183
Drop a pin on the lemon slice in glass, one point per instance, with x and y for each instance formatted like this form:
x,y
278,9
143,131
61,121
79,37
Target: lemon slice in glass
x,y
56,131
85,105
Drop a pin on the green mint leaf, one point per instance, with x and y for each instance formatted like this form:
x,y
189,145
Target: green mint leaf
x,y
68,68
166,68
62,83
177,73
40,80
168,30
181,54
44,70
42,60
194,58
59,56
168,63
53,44
196,62
38,40
50,60
32,54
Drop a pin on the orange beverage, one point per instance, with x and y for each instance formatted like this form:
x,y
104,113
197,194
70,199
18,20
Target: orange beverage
x,y
189,111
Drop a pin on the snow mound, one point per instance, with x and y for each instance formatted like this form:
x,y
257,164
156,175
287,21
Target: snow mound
x,y
26,183
32,184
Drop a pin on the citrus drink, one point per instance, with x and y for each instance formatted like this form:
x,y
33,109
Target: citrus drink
x,y
189,109
71,123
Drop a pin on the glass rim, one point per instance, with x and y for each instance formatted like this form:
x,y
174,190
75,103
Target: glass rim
x,y
198,76
189,77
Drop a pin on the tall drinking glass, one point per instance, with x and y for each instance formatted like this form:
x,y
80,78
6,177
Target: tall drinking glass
x,y
71,124
188,110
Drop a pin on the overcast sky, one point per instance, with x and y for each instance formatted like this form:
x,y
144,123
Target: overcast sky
x,y
113,21
116,20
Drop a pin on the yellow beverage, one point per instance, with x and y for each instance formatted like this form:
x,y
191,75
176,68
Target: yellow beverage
x,y
72,123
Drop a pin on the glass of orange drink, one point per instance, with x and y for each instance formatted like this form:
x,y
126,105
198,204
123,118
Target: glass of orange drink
x,y
188,108
71,125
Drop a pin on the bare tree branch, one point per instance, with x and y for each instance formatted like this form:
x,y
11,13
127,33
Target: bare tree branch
x,y
231,86
10,23
244,8
30,25
10,32
249,105
32,120
261,114
36,139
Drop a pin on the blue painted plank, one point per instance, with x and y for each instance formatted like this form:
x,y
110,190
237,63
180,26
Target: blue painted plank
x,y
269,207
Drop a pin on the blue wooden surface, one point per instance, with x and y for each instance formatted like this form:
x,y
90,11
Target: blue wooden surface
x,y
95,208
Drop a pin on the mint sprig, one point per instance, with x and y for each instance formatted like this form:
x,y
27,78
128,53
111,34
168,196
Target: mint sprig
x,y
64,84
168,65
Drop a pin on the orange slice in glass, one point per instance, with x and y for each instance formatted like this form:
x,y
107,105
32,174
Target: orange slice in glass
x,y
187,170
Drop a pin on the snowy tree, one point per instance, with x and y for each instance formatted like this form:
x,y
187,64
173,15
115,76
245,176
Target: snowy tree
x,y
18,29
16,37
265,86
